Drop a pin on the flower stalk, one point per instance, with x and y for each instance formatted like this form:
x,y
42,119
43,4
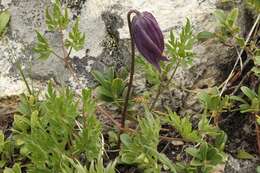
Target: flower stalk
x,y
146,34
132,68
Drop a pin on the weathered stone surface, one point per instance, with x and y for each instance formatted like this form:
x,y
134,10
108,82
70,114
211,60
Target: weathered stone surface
x,y
104,23
240,166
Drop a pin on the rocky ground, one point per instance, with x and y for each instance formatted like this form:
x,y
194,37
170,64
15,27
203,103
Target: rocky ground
x,y
104,22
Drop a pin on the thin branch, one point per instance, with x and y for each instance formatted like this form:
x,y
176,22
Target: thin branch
x,y
161,87
170,139
239,55
117,124
54,53
241,82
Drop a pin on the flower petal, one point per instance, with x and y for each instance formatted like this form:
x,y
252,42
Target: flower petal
x,y
148,38
145,45
156,33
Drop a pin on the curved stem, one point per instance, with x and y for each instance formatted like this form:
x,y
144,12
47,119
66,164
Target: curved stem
x,y
132,67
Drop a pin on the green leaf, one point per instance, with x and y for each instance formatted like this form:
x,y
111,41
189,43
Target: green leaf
x,y
258,169
181,48
257,60
221,16
56,20
206,128
151,74
42,47
242,154
102,78
254,4
221,140
76,39
101,91
2,141
184,127
248,92
202,36
141,148
240,41
256,70
206,157
89,105
117,87
232,17
16,169
4,19
125,139
89,139
237,98
192,151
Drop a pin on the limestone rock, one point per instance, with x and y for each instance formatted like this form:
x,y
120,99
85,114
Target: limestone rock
x,y
104,23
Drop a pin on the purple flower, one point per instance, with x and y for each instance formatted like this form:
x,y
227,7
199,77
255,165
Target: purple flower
x,y
148,38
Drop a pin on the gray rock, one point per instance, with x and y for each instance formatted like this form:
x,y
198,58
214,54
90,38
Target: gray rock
x,y
234,165
104,23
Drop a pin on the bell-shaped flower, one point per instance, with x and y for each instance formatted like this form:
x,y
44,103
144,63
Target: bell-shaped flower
x,y
148,38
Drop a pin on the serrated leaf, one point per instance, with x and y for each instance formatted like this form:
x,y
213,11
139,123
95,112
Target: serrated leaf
x,y
181,48
42,47
76,39
56,20
184,127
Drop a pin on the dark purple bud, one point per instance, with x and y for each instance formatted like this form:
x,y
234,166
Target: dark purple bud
x,y
148,38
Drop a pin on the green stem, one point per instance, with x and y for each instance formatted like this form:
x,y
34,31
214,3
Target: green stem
x,y
18,65
161,88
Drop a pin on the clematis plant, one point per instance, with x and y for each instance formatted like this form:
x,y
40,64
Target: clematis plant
x,y
147,36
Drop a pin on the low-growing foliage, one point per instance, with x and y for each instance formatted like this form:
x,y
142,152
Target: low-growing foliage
x,y
111,87
95,167
6,150
184,127
141,148
180,49
46,130
57,20
206,157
